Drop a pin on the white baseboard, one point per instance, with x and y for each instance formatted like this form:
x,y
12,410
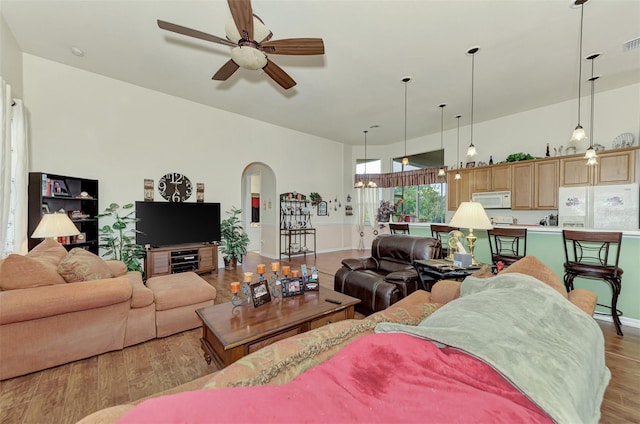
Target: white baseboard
x,y
631,322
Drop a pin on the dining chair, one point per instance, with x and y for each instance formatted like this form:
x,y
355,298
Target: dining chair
x,y
398,228
507,245
441,232
595,255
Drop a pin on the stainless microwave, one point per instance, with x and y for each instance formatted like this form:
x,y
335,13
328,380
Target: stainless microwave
x,y
493,199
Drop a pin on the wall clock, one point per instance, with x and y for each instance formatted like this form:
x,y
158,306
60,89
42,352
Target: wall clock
x,y
175,187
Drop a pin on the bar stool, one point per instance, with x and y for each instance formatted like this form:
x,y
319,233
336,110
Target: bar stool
x,y
399,228
588,254
441,232
507,245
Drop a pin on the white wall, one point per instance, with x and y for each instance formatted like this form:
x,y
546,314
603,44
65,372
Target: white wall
x,y
10,60
91,126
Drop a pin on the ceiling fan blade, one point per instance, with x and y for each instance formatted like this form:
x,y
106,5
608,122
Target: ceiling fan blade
x,y
242,16
194,33
294,46
226,71
279,75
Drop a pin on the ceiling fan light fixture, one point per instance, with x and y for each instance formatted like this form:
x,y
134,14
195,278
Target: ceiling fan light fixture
x,y
260,31
249,57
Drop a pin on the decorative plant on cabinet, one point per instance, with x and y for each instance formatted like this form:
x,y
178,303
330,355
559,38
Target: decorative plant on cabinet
x,y
233,245
119,240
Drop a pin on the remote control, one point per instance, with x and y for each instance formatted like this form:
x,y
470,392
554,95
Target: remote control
x,y
337,302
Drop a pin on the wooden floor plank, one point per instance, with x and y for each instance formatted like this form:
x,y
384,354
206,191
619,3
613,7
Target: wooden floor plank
x,y
69,392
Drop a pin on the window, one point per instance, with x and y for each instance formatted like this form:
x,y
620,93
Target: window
x,y
374,166
422,203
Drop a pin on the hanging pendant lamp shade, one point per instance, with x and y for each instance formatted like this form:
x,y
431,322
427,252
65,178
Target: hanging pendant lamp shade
x,y
471,151
458,176
441,172
591,155
578,133
405,159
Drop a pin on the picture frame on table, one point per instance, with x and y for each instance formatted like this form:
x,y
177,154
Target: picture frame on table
x,y
260,293
59,189
45,208
471,165
292,287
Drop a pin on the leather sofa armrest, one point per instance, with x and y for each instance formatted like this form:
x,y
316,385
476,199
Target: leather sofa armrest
x,y
401,276
584,299
40,302
356,264
444,291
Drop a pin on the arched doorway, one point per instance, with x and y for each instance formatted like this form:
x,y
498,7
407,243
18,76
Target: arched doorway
x,y
259,209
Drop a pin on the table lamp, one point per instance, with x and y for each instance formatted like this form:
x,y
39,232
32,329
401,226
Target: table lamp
x,y
53,225
471,215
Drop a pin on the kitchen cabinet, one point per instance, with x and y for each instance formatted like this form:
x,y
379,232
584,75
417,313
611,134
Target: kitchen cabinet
x,y
458,191
481,180
522,185
491,178
614,167
545,188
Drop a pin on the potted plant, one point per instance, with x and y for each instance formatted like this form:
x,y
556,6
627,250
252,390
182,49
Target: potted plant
x,y
315,198
233,245
119,240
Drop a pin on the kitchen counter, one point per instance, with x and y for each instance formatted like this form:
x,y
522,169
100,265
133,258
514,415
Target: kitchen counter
x,y
537,228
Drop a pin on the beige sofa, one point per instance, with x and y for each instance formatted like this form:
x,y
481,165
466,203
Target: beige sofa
x,y
58,307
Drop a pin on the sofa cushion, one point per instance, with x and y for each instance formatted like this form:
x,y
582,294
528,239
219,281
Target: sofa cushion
x,y
82,265
49,250
22,272
530,265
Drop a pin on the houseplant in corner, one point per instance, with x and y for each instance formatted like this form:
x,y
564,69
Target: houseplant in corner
x,y
233,245
118,240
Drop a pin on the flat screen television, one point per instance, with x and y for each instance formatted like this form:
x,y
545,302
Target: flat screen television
x,y
168,223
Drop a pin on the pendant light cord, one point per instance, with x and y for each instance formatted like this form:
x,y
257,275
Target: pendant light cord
x,y
593,81
458,147
473,62
365,153
580,61
405,118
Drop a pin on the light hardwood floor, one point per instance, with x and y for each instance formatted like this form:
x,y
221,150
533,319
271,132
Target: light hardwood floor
x,y
69,392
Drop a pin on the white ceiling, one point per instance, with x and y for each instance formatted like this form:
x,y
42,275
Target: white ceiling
x,y
528,56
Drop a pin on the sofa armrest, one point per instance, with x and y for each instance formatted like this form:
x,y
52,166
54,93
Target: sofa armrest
x,y
117,268
444,291
142,295
356,264
40,302
584,299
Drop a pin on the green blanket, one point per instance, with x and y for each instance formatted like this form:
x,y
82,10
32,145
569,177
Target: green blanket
x,y
543,344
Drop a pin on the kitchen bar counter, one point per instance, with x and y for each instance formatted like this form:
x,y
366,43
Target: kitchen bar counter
x,y
532,228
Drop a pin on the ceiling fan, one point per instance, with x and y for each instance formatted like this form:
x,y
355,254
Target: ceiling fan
x,y
251,40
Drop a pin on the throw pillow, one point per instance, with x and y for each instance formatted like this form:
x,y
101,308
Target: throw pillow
x,y
82,265
530,265
49,250
22,272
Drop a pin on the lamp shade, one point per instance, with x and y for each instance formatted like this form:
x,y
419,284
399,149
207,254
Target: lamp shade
x,y
471,215
55,225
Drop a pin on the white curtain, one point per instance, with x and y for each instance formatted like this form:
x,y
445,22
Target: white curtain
x,y
13,173
368,202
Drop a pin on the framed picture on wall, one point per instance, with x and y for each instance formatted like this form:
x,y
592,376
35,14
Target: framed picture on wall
x,y
322,208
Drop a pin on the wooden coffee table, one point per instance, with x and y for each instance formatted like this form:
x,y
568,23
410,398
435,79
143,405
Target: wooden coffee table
x,y
231,332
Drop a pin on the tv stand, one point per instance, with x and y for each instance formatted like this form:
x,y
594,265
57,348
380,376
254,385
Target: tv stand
x,y
200,258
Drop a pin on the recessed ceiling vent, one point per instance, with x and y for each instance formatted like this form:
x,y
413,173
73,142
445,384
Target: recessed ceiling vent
x,y
631,44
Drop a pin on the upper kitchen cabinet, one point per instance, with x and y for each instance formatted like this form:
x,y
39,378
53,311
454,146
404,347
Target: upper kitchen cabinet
x,y
614,167
522,185
459,191
546,173
491,178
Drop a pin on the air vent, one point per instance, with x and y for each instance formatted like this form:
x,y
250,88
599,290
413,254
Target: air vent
x,y
631,44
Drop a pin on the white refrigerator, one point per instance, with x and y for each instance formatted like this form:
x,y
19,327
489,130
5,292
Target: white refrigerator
x,y
611,207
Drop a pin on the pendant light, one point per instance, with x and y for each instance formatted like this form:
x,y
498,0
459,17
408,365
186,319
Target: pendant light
x,y
578,133
365,182
441,172
405,159
590,155
471,151
458,176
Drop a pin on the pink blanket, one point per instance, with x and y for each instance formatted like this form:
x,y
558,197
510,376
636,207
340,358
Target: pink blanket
x,y
380,378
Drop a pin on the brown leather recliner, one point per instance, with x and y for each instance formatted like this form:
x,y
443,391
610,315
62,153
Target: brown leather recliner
x,y
388,274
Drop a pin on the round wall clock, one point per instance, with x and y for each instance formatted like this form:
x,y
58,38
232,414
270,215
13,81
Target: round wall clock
x,y
175,187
